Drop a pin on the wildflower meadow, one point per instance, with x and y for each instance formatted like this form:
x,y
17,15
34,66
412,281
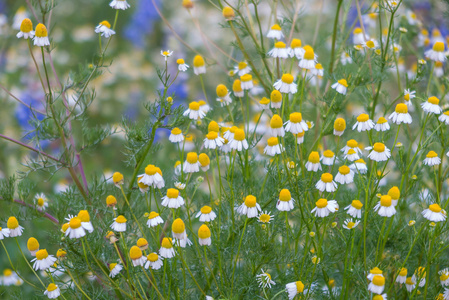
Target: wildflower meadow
x,y
224,149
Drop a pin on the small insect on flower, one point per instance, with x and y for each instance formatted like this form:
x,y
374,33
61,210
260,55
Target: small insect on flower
x,y
313,162
176,135
345,175
444,117
355,209
339,126
285,201
408,96
265,217
431,106
379,152
308,61
194,112
401,115
166,250
286,84
326,183
296,124
384,207
350,224
223,95
436,53
432,159
104,29
323,207
172,199
295,49
182,66
239,142
249,207
275,32
136,256
264,280
41,36
294,288
402,276
41,202
273,147
114,269
154,261
26,29
382,124
43,260
119,4
204,235
4,232
14,228
246,82
444,277
119,224
52,291
364,123
279,51
206,214
32,246
377,285
434,213
341,86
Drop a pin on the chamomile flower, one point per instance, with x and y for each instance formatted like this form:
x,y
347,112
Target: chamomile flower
x,y
154,219
300,137
166,54
249,207
371,44
313,162
199,66
380,297
4,232
358,38
326,183
229,132
136,256
279,51
436,53
265,217
32,246
84,216
350,224
420,276
194,112
364,123
104,29
52,291
318,70
395,194
352,155
431,106
182,243
154,261
382,124
379,152
119,4
444,277
237,88
20,15
294,288
242,68
114,269
41,36
328,158
308,61
166,250
43,260
408,96
351,144
191,165
213,140
26,29
273,147
339,126
438,70
172,199
41,202
239,142
384,207
355,209
359,166
341,86
345,175
204,161
401,115
432,159
14,228
377,285
434,213
118,179
152,177
223,95
410,284
324,207
182,66
264,280
286,85
285,201
176,135
444,117
119,224
206,214
204,107
264,103
142,244
204,235
295,49
276,99
275,32
9,278
402,276
296,124
345,58
247,81
179,229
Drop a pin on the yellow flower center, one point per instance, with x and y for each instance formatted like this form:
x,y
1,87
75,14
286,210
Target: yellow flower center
x,y
112,266
117,177
357,30
362,118
204,232
106,23
403,272
153,215
194,105
326,177
385,200
41,254
309,54
153,257
344,170
178,226
343,82
356,204
314,157
111,200
378,297
83,215
350,225
135,253
75,223
273,141
401,108
295,117
379,147
172,193
192,157
213,126
276,27
250,201
206,209
180,61
340,124
432,154
296,43
66,226
407,97
264,218
435,208
285,195
41,30
319,66
176,131
12,223
166,243
433,100
198,61
409,281
32,244
204,159
382,120
444,277
287,78
379,280
299,287
370,44
279,45
321,203
438,47
7,272
237,86
212,135
120,219
328,154
222,90
242,65
40,202
276,121
26,25
352,143
51,287
351,152
239,135
142,242
61,253
246,77
394,193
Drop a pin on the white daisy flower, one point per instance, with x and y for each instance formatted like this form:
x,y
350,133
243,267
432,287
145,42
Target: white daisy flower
x,y
191,165
182,242
379,152
296,124
324,207
176,135
341,86
382,124
275,32
136,256
350,224
408,96
41,202
328,158
242,68
152,177
119,224
377,285
401,115
273,147
352,155
4,232
194,111
434,213
444,117
432,159
308,61
172,199
345,58
246,82
206,214
294,288
358,38
119,4
199,65
385,207
295,49
355,209
431,106
363,123
154,261
182,66
264,280
444,277
41,36
326,183
359,166
420,276
410,284
154,219
204,235
402,276
265,217
239,142
313,162
286,85
52,291
279,51
114,269
43,260
104,29
213,140
285,201
345,175
249,207
436,53
166,54
26,29
166,250
351,144
75,229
